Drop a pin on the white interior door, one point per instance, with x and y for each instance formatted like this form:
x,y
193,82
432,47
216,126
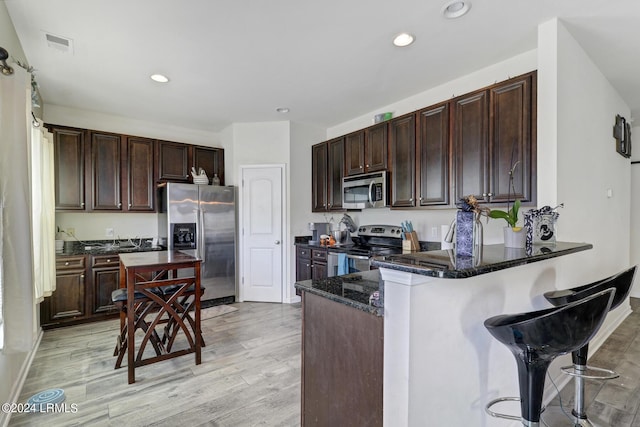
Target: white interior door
x,y
261,233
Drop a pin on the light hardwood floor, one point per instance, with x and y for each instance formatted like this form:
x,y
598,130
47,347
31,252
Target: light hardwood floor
x,y
249,376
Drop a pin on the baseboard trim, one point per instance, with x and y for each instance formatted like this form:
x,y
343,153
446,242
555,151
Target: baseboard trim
x,y
16,389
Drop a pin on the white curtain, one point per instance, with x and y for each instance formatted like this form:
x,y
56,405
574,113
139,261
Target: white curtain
x,y
42,213
16,281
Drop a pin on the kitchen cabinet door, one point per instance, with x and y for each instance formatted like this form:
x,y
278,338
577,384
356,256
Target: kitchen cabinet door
x,y
211,160
336,173
319,153
471,134
433,156
354,153
105,272
68,302
69,161
402,148
140,187
375,148
173,162
511,133
105,172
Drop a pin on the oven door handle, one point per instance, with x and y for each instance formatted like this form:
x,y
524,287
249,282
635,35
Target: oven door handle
x,y
362,257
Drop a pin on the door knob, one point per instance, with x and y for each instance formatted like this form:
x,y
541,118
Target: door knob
x,y
277,242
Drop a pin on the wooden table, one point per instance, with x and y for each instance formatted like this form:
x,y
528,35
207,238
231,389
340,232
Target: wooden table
x,y
141,271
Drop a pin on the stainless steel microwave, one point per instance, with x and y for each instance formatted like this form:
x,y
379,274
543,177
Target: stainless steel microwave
x,y
368,190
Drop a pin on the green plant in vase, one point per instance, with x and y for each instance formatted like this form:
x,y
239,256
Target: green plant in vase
x,y
511,215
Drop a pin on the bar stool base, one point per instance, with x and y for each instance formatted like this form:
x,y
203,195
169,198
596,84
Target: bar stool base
x,y
555,417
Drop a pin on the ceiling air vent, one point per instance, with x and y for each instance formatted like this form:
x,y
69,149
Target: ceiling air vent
x,y
62,44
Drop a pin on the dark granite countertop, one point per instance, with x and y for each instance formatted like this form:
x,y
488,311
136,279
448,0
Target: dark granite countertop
x,y
107,247
445,264
353,290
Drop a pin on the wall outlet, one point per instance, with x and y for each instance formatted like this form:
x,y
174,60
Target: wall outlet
x,y
108,232
71,231
434,233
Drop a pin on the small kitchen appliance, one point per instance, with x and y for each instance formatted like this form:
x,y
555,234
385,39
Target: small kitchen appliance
x,y
318,229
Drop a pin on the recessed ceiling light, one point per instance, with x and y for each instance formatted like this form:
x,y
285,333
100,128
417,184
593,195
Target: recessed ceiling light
x,y
159,78
455,9
403,39
282,110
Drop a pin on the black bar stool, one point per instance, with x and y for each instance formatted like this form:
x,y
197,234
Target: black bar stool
x,y
538,337
622,283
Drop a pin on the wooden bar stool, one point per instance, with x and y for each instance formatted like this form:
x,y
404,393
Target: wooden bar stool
x,y
536,338
182,298
142,306
622,283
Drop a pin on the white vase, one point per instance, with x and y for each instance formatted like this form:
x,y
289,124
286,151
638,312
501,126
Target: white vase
x,y
514,239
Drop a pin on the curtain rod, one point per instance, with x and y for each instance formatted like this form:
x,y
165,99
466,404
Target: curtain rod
x,y
4,67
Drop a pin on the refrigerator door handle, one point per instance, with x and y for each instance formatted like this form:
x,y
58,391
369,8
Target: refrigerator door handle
x,y
201,248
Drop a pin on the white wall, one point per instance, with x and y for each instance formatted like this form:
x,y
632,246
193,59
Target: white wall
x,y
12,366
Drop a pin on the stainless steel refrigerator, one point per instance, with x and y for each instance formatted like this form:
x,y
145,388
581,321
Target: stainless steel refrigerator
x,y
201,220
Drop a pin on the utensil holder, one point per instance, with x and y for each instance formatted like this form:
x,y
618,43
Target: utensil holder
x,y
411,241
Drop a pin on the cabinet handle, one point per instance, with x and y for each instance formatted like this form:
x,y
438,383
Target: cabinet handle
x,y
411,199
66,263
108,260
119,205
420,198
129,204
82,276
82,204
367,166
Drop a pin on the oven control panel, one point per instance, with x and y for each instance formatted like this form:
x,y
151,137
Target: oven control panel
x,y
380,231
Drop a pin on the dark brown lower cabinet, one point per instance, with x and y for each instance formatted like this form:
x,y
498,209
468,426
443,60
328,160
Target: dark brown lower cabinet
x,y
83,290
68,301
105,271
342,364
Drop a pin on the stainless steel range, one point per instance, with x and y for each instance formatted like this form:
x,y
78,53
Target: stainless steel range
x,y
372,240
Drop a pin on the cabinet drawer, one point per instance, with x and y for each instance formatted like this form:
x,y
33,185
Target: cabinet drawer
x,y
303,252
105,261
319,254
70,263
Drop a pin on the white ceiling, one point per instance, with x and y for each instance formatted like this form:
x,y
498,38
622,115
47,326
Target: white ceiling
x,y
328,61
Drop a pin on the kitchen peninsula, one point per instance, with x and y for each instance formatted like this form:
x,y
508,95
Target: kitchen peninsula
x,y
440,365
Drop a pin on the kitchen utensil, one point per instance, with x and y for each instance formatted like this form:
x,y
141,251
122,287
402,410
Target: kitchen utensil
x,y
340,236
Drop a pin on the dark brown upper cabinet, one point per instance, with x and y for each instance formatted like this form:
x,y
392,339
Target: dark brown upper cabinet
x,y
69,159
471,139
511,131
211,160
494,129
139,177
366,150
319,159
354,153
375,148
173,162
433,155
327,171
402,151
105,171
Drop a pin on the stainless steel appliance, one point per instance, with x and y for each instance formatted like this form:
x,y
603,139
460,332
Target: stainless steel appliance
x,y
201,220
372,240
368,190
318,229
